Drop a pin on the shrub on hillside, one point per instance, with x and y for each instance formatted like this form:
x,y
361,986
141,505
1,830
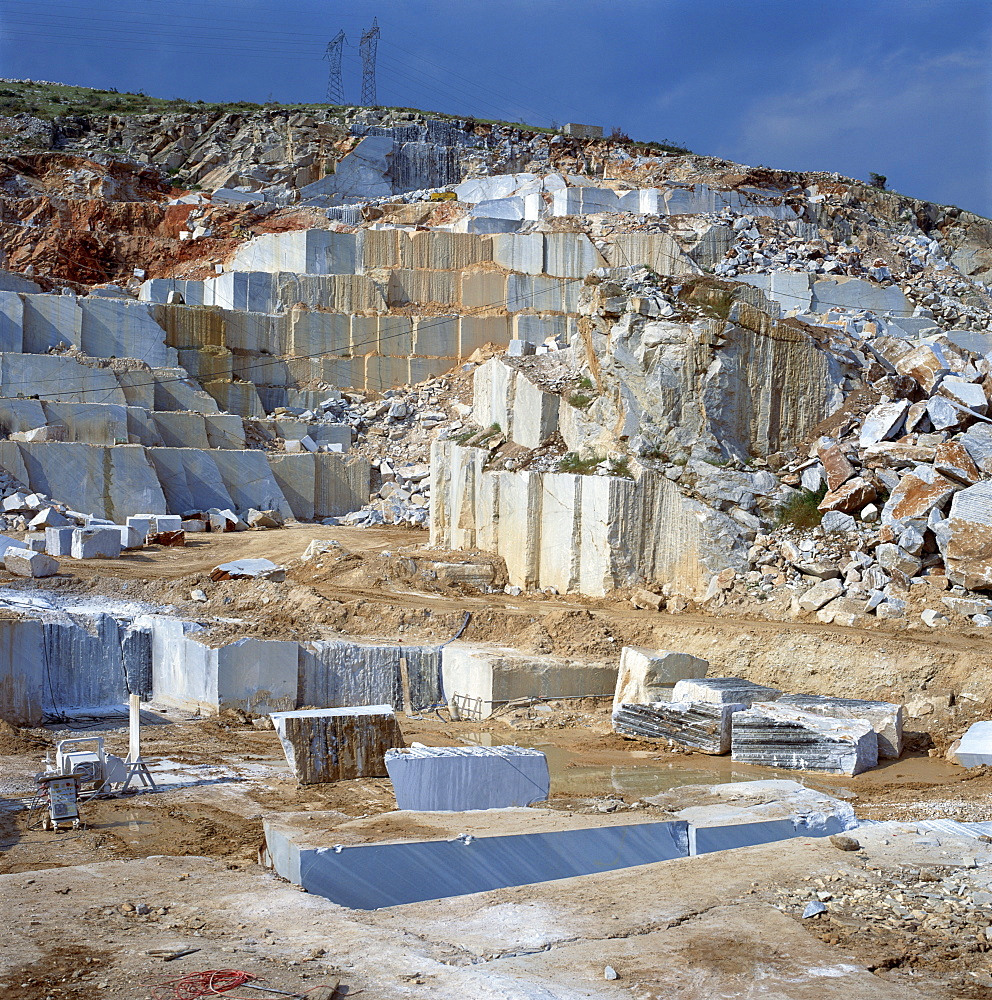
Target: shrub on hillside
x,y
801,510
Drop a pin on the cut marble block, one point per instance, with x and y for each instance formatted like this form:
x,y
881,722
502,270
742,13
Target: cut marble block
x,y
163,522
648,675
697,725
58,541
453,779
779,736
143,524
330,744
404,857
96,543
975,747
24,562
723,691
885,718
479,677
745,813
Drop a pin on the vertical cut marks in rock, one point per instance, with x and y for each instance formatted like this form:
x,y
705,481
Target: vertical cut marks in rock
x,y
331,744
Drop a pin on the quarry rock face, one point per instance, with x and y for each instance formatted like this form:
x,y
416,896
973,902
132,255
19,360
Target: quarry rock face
x,y
638,398
695,374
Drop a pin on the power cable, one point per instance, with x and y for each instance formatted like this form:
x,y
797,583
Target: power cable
x,y
473,83
78,40
117,30
209,20
241,34
237,6
410,72
412,76
436,86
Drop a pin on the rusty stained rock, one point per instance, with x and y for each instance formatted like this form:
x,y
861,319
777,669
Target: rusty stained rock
x,y
968,551
838,469
852,495
895,455
916,496
951,459
168,538
887,533
926,365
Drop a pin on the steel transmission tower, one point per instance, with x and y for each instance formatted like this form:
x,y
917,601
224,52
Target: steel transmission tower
x,y
369,41
335,88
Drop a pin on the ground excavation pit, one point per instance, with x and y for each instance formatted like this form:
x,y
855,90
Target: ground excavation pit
x,y
692,928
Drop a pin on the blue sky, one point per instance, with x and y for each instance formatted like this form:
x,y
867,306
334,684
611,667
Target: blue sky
x,y
899,87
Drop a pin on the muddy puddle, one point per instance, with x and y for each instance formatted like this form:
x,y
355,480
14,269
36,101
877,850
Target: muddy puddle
x,y
573,774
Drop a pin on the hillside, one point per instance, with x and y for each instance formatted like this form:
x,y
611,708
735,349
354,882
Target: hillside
x,y
376,438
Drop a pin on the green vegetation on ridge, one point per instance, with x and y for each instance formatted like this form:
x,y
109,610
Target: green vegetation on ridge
x,y
56,100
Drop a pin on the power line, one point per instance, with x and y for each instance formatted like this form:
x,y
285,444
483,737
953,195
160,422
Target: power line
x,y
369,44
85,17
79,40
437,87
277,46
335,88
84,28
416,77
476,84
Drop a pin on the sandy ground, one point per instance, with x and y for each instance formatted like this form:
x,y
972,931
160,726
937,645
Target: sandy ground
x,y
693,930
192,848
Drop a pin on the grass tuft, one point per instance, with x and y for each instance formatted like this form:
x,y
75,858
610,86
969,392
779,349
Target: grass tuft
x,y
802,509
570,462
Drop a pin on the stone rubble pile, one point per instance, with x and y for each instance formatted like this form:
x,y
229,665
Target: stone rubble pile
x,y
764,246
403,499
23,510
901,484
20,130
395,433
903,489
944,899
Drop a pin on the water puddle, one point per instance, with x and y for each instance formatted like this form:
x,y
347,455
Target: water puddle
x,y
572,775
